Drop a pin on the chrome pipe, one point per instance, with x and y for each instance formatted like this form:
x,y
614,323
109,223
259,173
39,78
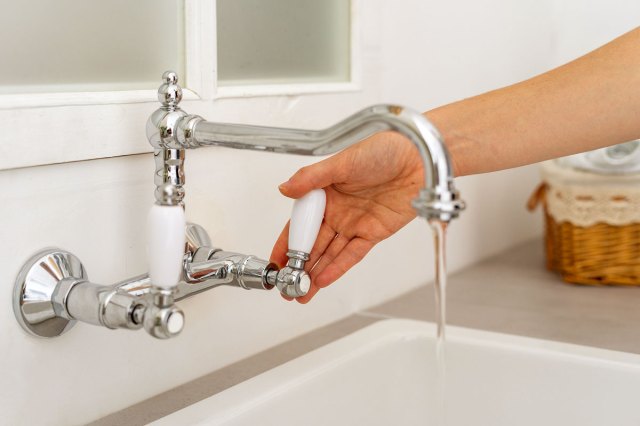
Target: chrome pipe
x,y
223,268
365,123
438,199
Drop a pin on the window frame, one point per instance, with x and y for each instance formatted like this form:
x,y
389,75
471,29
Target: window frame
x,y
52,128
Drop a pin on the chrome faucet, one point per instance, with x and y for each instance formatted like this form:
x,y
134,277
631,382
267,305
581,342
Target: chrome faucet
x,y
52,291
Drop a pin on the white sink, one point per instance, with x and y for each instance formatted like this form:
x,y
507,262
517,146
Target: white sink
x,y
385,374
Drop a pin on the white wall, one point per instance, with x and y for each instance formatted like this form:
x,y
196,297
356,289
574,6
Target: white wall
x,y
415,52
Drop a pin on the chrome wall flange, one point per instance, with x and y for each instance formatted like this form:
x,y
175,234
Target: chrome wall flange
x,y
33,292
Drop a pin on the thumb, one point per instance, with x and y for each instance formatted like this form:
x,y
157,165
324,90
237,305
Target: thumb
x,y
315,176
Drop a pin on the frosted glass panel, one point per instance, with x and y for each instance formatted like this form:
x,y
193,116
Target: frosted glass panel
x,y
89,45
283,41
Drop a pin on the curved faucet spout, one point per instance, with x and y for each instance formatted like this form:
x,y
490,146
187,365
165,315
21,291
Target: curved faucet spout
x,y
439,198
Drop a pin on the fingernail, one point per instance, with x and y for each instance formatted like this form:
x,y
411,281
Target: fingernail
x,y
283,186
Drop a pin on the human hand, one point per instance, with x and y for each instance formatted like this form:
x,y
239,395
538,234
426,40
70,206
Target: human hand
x,y
369,189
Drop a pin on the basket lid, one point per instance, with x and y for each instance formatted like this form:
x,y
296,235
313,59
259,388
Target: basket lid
x,y
556,173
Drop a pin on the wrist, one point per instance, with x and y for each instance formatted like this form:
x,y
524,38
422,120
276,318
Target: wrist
x,y
457,145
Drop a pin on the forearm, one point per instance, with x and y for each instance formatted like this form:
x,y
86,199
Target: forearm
x,y
589,103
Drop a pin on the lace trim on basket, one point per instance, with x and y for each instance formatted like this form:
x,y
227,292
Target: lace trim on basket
x,y
586,206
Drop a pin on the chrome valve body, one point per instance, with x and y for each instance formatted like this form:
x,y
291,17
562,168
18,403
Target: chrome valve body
x,y
53,292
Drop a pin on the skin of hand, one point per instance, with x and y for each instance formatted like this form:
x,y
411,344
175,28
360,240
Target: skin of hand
x,y
586,104
369,187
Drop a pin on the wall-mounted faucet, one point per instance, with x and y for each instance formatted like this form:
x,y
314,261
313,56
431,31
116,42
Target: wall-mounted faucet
x,y
52,291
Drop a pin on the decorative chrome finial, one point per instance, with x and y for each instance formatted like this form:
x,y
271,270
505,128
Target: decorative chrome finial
x,y
170,77
170,93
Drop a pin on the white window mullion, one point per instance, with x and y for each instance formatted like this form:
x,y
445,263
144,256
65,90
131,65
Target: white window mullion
x,y
200,49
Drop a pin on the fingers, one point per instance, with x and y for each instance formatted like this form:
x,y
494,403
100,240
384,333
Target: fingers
x,y
315,176
338,243
279,252
348,254
307,297
351,254
325,237
279,256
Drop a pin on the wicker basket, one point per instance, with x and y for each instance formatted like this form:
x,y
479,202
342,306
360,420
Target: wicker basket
x,y
600,253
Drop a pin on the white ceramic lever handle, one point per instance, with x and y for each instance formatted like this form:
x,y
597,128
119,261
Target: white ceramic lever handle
x,y
166,240
306,219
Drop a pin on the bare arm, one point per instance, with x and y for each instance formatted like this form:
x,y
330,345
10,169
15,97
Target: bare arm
x,y
589,103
